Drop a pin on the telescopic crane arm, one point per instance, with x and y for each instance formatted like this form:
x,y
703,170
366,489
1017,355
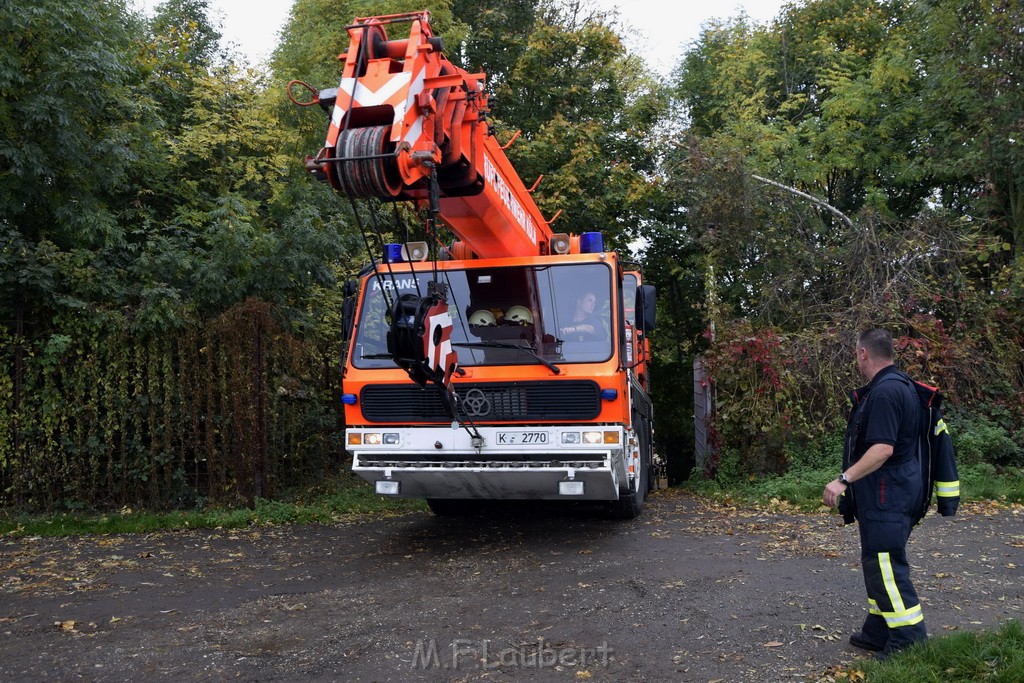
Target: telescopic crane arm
x,y
404,113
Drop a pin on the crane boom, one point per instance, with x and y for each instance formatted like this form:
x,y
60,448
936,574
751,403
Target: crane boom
x,y
402,113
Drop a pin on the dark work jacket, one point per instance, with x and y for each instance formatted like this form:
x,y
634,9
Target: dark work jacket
x,y
944,470
895,488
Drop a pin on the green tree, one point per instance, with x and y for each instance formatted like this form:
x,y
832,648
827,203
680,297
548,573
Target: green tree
x,y
823,99
70,116
67,116
971,64
890,127
235,230
184,43
496,35
592,134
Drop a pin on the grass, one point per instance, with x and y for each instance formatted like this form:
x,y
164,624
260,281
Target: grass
x,y
993,656
802,488
329,502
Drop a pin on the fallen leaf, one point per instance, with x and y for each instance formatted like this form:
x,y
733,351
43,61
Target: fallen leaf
x,y
773,643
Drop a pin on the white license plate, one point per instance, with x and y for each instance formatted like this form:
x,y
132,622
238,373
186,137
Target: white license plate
x,y
521,438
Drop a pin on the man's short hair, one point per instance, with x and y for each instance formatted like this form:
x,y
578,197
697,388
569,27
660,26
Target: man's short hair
x,y
878,343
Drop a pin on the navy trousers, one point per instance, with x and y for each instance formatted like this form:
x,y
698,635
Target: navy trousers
x,y
895,619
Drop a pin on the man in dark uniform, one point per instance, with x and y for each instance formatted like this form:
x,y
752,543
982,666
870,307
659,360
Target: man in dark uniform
x,y
586,324
881,488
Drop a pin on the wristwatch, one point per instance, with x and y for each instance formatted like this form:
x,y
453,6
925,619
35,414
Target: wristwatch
x,y
843,480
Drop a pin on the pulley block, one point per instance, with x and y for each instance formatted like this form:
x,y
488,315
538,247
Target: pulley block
x,y
420,338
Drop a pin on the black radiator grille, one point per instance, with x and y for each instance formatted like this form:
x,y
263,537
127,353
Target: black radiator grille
x,y
483,403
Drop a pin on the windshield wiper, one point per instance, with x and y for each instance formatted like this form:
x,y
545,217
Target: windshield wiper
x,y
515,347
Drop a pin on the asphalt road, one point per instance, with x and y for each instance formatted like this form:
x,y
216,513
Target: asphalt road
x,y
691,591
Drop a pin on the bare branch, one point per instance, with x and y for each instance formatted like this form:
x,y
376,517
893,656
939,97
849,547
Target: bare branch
x,y
812,198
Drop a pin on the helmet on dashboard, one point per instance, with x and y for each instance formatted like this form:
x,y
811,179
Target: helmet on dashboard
x,y
520,315
481,317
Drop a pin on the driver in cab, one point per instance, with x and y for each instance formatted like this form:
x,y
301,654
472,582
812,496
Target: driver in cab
x,y
585,324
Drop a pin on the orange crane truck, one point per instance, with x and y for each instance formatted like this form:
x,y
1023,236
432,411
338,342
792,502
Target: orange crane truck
x,y
506,363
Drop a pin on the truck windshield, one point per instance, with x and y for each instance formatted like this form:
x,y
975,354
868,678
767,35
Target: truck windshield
x,y
561,313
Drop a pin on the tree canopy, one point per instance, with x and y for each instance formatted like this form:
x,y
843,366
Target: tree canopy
x,y
852,163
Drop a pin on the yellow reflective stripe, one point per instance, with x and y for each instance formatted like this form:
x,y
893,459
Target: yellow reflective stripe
x,y
901,615
889,579
940,427
947,489
907,617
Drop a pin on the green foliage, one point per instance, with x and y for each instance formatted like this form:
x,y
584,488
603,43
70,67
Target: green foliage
x,y
497,33
801,487
183,43
984,482
978,439
592,137
811,463
816,455
103,418
862,106
332,499
808,466
70,117
782,266
970,66
67,118
967,656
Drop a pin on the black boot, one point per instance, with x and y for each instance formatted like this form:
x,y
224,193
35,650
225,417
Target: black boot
x,y
858,639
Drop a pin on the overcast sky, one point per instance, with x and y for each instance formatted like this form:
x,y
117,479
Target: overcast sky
x,y
663,29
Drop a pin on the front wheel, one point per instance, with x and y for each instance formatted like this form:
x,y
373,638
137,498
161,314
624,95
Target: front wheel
x,y
629,505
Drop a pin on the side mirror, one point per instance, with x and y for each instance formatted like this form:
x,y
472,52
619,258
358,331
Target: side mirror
x,y
348,308
646,303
